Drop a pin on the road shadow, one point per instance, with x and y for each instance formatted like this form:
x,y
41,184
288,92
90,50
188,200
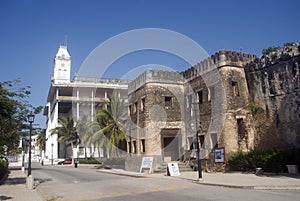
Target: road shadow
x,y
38,181
3,197
14,181
274,175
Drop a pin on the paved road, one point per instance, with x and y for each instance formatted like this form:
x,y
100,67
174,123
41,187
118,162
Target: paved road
x,y
85,183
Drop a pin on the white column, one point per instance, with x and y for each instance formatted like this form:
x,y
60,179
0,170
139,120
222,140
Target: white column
x,y
92,105
77,105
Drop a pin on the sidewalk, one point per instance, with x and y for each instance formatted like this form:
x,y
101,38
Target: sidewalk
x,y
232,180
14,187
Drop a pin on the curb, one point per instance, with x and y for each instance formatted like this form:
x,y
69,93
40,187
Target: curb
x,y
209,184
122,174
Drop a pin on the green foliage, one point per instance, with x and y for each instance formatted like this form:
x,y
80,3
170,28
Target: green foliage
x,y
288,44
254,109
90,161
14,109
67,132
269,160
270,49
3,168
111,120
106,161
41,140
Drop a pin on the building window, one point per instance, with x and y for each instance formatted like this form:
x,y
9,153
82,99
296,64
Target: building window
x,y
214,140
143,104
189,101
201,140
242,133
200,97
235,88
129,147
143,148
168,101
189,104
134,146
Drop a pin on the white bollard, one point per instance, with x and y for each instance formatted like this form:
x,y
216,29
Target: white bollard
x,y
30,182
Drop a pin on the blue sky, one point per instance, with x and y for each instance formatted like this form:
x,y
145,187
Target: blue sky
x,y
32,30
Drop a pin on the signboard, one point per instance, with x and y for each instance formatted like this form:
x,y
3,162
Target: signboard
x,y
147,163
173,169
219,155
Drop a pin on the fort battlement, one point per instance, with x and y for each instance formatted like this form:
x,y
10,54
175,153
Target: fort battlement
x,y
217,60
273,57
157,76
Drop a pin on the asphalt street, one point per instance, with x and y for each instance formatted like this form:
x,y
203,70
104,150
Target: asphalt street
x,y
85,183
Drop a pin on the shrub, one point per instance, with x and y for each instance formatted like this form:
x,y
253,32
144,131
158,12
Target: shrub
x,y
3,168
90,161
269,160
270,49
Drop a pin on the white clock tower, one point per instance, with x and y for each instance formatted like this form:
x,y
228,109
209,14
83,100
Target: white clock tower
x,y
62,66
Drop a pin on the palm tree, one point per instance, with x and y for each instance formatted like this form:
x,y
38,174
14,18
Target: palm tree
x,y
111,120
86,130
41,141
67,132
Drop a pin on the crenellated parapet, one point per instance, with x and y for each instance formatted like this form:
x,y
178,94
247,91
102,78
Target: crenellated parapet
x,y
157,76
273,57
217,60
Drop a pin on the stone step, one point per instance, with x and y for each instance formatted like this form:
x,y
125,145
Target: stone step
x,y
183,167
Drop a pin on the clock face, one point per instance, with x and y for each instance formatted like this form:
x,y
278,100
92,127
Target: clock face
x,y
62,65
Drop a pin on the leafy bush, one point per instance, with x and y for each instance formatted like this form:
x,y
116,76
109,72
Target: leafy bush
x,y
105,161
268,160
3,168
90,161
270,49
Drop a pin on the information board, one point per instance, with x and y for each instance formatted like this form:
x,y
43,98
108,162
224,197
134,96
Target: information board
x,y
147,163
173,169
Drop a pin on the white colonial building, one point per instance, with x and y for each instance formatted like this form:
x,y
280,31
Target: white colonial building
x,y
79,97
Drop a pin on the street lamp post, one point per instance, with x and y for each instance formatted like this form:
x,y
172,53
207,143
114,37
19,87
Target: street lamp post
x,y
195,108
30,120
52,153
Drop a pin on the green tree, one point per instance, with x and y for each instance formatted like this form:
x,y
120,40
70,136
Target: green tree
x,y
111,119
86,130
67,133
41,140
14,109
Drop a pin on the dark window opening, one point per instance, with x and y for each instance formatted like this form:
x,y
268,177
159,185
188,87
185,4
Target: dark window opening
x,y
235,88
242,133
168,101
214,140
201,140
143,148
200,97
